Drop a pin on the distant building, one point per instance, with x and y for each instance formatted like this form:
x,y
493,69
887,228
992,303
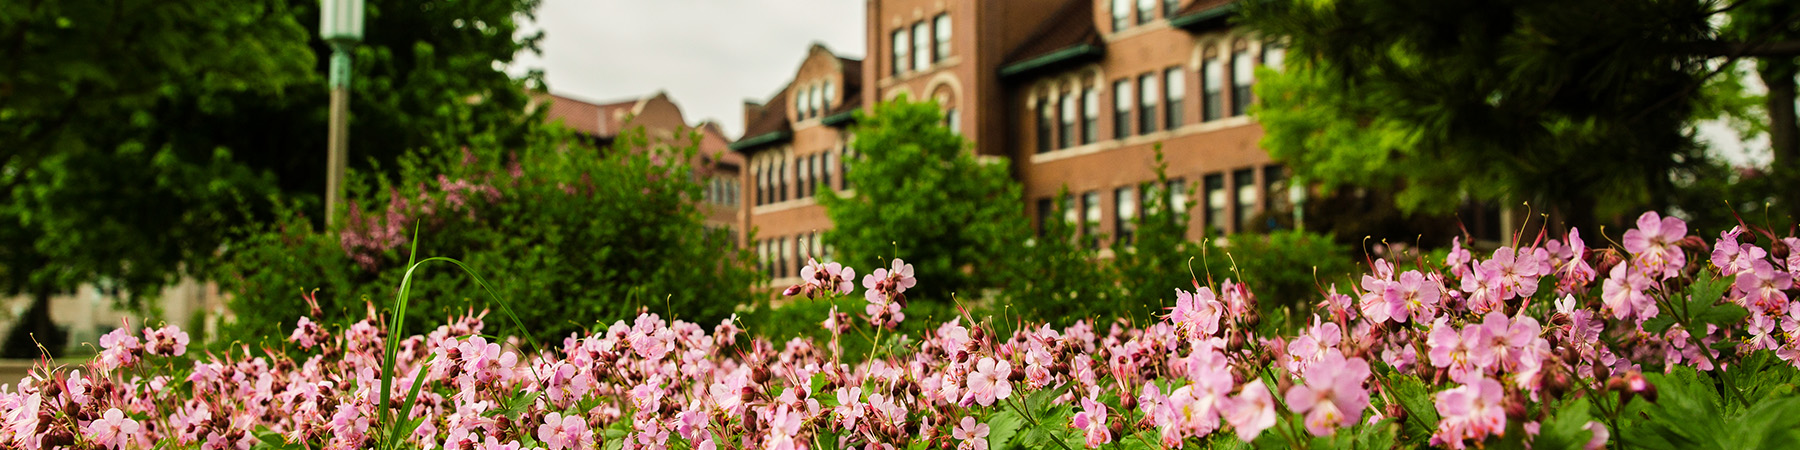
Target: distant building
x,y
1076,93
718,169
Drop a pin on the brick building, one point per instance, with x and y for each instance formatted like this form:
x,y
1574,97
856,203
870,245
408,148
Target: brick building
x,y
719,168
1076,93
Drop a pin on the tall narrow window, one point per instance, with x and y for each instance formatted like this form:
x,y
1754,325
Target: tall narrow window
x,y
804,166
1242,75
1046,120
1147,95
830,163
826,101
1069,215
1244,186
800,103
953,120
1212,90
941,25
1090,114
1275,190
1090,227
818,100
1146,10
1121,15
1174,92
1066,136
1178,195
1121,109
921,46
762,184
901,56
1169,7
781,180
1215,203
1274,54
1125,213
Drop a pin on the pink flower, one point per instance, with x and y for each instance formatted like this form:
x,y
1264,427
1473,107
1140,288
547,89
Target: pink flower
x,y
166,341
1252,411
1415,296
560,432
1332,396
1516,276
1311,346
989,382
1470,412
1623,294
113,430
1762,288
1575,272
887,285
1652,244
784,426
1598,441
973,435
1196,314
820,279
1092,422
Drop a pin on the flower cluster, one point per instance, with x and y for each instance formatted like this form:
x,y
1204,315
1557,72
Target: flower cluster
x,y
1489,347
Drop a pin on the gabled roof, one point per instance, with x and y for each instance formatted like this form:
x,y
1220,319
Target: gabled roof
x,y
771,124
603,120
1069,36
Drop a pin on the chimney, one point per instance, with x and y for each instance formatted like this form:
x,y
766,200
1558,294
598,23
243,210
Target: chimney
x,y
751,110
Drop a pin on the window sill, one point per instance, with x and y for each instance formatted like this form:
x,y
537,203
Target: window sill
x,y
1185,130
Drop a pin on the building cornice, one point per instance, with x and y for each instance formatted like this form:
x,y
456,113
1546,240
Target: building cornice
x,y
762,139
1065,55
1206,18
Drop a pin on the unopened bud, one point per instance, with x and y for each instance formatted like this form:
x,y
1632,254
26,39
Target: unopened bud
x,y
760,375
1018,374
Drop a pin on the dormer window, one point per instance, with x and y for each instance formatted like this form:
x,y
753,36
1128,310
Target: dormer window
x,y
818,102
800,104
830,95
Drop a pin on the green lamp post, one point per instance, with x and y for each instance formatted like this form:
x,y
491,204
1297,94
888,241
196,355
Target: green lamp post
x,y
341,25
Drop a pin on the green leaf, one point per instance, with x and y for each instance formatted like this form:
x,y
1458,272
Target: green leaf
x,y
1565,429
1422,416
1002,427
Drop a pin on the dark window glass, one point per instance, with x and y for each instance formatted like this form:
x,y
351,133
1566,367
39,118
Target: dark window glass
x,y
1212,89
1046,120
1090,114
1045,214
1147,95
1125,208
1066,135
1244,188
1174,92
1090,225
1121,109
1243,74
1215,203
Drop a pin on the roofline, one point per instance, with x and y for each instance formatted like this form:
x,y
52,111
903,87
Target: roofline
x,y
1204,17
1065,54
761,139
839,118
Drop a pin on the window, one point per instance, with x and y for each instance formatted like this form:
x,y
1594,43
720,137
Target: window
x,y
921,46
1274,53
1174,91
1121,109
1242,75
762,184
1090,228
1244,185
1066,136
1215,202
800,103
829,160
1275,190
941,25
818,100
1125,212
1044,215
826,101
781,180
1121,14
1090,114
1212,89
1169,7
804,167
953,120
901,57
1147,95
1146,10
1046,120
1178,195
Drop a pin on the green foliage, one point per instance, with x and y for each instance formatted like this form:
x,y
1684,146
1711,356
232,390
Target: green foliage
x,y
923,197
1690,412
1491,99
1059,281
572,237
1288,270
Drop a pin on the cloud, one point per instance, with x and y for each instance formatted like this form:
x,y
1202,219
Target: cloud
x,y
709,55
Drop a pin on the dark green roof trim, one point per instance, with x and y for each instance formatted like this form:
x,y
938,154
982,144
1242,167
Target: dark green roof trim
x,y
1206,17
1066,54
839,118
764,138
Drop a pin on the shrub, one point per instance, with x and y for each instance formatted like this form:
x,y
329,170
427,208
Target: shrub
x,y
573,235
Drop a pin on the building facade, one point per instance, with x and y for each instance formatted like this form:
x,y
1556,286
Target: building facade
x,y
718,169
1077,94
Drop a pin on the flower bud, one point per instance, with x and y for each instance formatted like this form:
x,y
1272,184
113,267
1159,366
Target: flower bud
x,y
760,374
1117,427
1127,402
1395,411
1018,374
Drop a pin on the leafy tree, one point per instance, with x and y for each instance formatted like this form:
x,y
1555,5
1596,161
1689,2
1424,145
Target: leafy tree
x,y
96,188
921,196
1561,103
1057,280
135,134
568,236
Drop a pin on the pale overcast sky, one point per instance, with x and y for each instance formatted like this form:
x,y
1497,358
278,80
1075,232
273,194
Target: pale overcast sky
x,y
709,55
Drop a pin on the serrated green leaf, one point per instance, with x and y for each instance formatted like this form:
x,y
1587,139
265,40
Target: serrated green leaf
x,y
1002,427
1565,429
1422,416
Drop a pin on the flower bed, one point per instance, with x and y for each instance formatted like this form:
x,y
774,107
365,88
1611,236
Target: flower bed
x,y
1671,343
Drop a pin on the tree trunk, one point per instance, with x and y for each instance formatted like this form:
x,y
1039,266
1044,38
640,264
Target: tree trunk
x,y
1784,133
33,329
